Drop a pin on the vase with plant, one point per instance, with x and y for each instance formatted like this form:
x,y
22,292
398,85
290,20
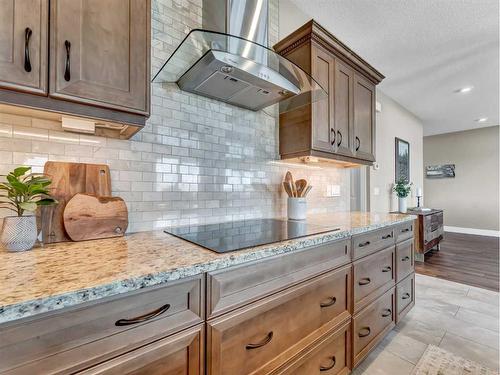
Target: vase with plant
x,y
402,189
22,192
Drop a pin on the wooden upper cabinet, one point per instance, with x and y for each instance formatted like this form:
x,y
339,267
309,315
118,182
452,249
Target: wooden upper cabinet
x,y
100,53
341,127
23,45
364,119
343,102
323,132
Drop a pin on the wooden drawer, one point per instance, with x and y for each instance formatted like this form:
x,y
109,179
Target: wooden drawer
x,y
330,355
405,259
237,286
243,341
368,243
372,276
371,325
405,296
181,353
405,231
76,338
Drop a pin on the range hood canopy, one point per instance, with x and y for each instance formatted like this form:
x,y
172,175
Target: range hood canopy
x,y
238,71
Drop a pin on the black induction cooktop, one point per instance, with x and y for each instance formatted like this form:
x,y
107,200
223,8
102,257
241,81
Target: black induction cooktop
x,y
238,235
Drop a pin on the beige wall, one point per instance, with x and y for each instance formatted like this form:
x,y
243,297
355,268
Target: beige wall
x,y
394,121
290,18
470,200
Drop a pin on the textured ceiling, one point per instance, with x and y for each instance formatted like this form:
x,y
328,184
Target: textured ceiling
x,y
427,49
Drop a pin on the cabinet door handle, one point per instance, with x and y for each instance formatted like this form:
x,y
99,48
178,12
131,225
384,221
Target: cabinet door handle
x,y
387,269
67,68
340,138
405,296
405,230
331,302
27,62
364,244
387,236
266,341
332,130
363,332
405,259
364,281
358,143
386,313
143,318
330,366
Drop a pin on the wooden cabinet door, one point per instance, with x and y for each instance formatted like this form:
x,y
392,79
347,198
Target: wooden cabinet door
x,y
323,133
364,119
99,53
23,45
178,354
344,84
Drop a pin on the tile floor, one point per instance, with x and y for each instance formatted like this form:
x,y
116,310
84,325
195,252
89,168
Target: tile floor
x,y
458,318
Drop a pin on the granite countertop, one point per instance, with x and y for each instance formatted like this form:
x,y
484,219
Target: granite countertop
x,y
66,274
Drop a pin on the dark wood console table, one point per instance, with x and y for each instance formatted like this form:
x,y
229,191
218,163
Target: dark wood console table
x,y
428,232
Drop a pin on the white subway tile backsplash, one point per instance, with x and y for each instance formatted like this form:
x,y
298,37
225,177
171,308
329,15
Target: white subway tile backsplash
x,y
196,161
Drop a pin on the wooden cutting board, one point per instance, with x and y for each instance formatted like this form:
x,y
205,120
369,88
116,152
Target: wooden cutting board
x,y
90,217
69,179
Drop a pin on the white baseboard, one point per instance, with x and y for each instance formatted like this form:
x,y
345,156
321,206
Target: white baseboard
x,y
479,232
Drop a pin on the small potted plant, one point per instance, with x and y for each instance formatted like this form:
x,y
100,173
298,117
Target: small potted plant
x,y
22,193
402,190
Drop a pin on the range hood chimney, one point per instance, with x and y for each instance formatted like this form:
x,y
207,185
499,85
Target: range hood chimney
x,y
228,60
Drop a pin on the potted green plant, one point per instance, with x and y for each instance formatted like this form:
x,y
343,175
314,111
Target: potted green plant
x,y
22,193
402,190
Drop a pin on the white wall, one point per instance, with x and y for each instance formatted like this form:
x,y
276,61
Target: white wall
x,y
471,199
290,18
394,121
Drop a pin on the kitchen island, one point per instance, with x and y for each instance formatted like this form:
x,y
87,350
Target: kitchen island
x,y
150,300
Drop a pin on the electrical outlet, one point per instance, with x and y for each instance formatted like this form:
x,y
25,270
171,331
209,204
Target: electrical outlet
x,y
335,190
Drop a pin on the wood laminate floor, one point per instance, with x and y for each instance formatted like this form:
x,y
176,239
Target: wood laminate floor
x,y
466,259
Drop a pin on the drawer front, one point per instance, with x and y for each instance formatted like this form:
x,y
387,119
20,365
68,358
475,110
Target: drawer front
x,y
243,341
101,330
371,273
405,296
174,355
237,286
405,231
405,259
368,243
371,324
330,356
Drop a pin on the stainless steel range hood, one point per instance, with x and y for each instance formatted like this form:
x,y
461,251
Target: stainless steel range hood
x,y
231,63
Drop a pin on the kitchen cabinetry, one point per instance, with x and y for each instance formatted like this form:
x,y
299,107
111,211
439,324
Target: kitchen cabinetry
x,y
321,309
94,63
23,45
342,126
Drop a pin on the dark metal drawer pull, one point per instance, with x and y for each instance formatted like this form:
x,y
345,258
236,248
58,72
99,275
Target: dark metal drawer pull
x,y
358,141
387,269
330,366
364,244
386,313
405,230
331,302
266,341
333,133
387,236
363,332
340,138
67,64
27,61
364,281
143,318
405,259
405,296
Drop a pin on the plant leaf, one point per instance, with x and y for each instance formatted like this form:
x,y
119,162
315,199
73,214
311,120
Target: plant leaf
x,y
47,202
28,206
19,171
